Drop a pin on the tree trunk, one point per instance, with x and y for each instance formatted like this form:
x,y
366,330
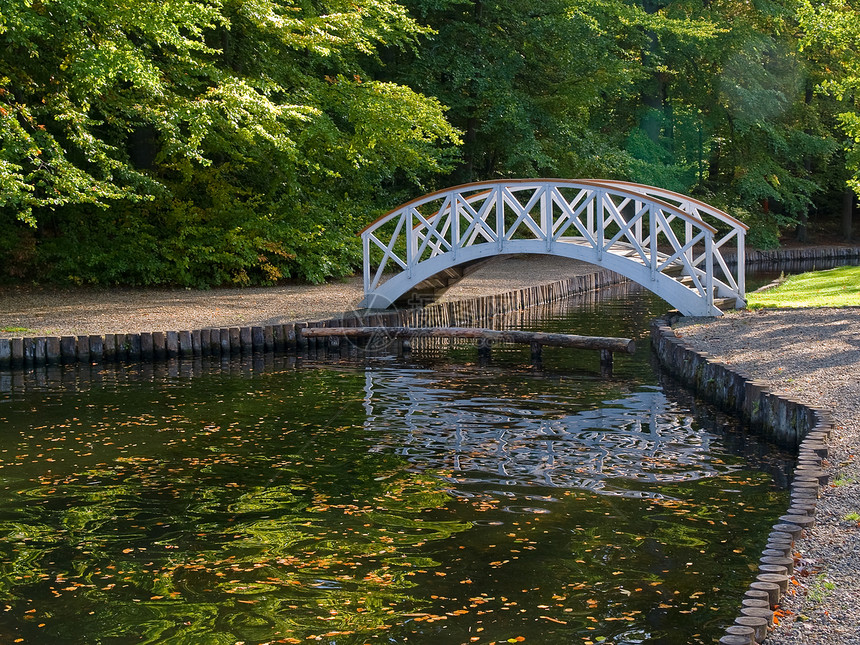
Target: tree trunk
x,y
470,144
847,214
802,231
143,147
654,94
654,98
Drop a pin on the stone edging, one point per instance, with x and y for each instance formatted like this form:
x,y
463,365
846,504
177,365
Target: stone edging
x,y
228,342
788,421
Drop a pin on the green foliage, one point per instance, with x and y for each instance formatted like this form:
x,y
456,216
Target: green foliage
x,y
819,588
831,34
764,228
205,142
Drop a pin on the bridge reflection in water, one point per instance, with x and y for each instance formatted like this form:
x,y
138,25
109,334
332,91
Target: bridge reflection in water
x,y
628,446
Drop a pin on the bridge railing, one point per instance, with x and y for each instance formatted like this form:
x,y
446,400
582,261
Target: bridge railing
x,y
537,215
730,265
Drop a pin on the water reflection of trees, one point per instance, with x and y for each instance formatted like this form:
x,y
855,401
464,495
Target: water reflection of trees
x,y
130,554
168,524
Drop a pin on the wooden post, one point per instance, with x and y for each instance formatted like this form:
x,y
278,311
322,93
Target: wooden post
x,y
606,362
208,345
258,344
29,351
246,340
5,352
40,350
159,345
185,346
537,351
17,354
279,340
301,339
84,349
333,344
109,348
235,336
121,346
290,342
96,348
133,343
146,346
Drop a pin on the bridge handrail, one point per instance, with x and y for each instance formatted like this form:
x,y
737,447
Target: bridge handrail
x,y
646,190
736,277
566,183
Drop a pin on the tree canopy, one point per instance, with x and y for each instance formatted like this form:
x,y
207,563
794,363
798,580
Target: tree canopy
x,y
208,142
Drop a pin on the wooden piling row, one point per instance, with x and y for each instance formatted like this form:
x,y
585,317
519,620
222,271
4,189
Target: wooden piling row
x,y
464,313
80,377
785,259
780,256
242,341
160,345
239,341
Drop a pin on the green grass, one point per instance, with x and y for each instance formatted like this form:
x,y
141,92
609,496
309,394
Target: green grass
x,y
838,287
820,588
15,330
842,480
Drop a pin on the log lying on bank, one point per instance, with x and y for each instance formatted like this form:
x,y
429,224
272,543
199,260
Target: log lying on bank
x,y
485,337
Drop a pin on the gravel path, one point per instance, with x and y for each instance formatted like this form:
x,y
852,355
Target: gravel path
x,y
814,355
71,312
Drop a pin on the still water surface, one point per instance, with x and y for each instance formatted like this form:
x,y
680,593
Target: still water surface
x,y
434,499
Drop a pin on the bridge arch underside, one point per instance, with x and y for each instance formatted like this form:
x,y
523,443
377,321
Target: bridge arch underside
x,y
399,287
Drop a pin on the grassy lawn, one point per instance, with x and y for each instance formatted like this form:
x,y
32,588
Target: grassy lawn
x,y
838,287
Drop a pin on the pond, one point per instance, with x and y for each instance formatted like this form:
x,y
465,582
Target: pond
x,y
433,498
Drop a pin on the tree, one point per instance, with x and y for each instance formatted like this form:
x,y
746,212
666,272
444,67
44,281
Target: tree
x,y
195,141
830,34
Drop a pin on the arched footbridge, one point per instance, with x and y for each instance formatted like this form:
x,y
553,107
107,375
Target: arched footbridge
x,y
687,252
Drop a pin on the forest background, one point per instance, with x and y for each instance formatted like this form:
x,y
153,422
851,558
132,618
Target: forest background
x,y
216,142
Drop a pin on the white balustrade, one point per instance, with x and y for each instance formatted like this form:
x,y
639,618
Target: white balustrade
x,y
670,243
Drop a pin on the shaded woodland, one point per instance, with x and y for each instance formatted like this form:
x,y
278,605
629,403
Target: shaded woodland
x,y
216,142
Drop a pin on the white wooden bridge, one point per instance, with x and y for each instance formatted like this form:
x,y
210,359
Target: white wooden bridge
x,y
687,252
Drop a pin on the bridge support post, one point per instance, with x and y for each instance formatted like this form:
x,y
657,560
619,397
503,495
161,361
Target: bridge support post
x,y
537,350
605,362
